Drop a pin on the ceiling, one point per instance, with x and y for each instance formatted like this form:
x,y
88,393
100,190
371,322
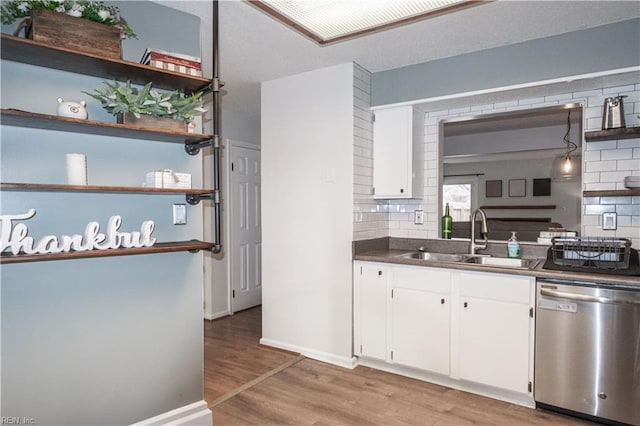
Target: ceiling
x,y
254,47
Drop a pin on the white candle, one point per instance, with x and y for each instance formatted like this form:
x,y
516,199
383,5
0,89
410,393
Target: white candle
x,y
76,169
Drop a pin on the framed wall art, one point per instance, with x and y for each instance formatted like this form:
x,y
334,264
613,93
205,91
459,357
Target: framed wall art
x,y
517,187
493,188
542,187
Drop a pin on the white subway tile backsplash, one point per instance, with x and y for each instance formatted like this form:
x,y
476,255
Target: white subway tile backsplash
x,y
601,166
605,165
593,177
629,165
593,124
600,145
612,177
598,186
591,155
564,97
587,93
614,91
616,154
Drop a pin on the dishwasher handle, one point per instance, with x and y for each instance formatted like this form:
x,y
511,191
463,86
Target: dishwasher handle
x,y
586,298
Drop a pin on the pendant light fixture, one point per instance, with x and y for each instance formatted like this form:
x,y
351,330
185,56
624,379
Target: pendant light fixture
x,y
566,166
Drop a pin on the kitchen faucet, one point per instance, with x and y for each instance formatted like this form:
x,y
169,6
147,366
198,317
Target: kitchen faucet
x,y
473,245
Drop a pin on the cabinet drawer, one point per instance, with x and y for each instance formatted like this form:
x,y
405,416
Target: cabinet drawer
x,y
421,278
508,288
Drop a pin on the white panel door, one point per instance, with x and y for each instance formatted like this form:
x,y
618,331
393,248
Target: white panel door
x,y
246,229
371,310
420,329
494,343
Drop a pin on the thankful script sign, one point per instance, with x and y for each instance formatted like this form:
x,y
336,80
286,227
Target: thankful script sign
x,y
14,237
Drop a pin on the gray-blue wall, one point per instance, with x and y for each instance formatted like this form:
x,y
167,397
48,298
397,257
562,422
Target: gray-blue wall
x,y
105,340
579,52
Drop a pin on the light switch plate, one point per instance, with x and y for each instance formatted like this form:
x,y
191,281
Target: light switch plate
x,y
609,221
418,217
179,214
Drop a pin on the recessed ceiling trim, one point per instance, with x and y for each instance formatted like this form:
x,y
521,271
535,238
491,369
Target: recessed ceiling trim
x,y
288,21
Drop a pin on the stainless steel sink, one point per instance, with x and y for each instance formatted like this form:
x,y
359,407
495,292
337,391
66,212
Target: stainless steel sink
x,y
502,262
434,257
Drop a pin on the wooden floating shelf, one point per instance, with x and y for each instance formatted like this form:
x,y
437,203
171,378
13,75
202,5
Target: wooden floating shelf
x,y
613,193
16,117
605,135
156,248
45,187
520,207
32,52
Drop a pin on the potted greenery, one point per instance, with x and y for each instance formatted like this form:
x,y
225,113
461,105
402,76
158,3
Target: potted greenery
x,y
148,107
55,22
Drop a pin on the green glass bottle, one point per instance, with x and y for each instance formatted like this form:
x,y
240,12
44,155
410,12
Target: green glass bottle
x,y
447,224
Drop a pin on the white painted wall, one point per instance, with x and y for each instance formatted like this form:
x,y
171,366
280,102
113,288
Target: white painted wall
x,y
307,160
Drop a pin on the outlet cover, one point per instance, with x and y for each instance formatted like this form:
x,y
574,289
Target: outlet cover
x,y
609,221
179,214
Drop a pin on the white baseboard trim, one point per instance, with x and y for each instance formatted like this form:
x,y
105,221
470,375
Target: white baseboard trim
x,y
216,315
196,414
524,399
349,362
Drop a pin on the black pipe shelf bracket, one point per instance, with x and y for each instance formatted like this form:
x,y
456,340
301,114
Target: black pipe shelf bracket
x,y
194,199
194,148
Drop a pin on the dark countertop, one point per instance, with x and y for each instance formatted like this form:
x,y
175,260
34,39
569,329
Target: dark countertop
x,y
379,253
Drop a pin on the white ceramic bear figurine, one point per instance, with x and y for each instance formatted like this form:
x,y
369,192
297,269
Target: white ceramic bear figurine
x,y
72,109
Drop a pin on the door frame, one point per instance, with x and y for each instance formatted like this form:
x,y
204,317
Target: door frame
x,y
231,144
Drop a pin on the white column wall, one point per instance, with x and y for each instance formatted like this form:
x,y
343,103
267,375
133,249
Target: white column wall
x,y
307,177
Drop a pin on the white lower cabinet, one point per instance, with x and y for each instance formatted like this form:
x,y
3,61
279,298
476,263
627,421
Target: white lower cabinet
x,y
420,316
370,309
493,329
470,326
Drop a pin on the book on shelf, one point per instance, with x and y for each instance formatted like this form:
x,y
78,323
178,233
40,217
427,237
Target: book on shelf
x,y
171,61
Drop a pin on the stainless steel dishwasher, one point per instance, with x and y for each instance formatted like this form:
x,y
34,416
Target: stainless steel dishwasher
x,y
587,351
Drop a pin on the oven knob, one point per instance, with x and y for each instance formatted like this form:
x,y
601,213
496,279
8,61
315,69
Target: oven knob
x,y
602,395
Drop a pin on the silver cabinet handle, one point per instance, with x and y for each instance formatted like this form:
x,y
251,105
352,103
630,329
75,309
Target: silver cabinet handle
x,y
586,298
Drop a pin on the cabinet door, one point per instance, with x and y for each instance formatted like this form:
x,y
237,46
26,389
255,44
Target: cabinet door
x,y
392,153
494,331
370,310
420,329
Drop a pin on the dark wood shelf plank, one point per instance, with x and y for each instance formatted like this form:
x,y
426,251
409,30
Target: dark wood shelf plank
x,y
612,193
605,135
31,52
16,117
521,207
156,248
47,187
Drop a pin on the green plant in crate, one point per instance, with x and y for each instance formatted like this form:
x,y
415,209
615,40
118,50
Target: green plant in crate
x,y
95,11
119,98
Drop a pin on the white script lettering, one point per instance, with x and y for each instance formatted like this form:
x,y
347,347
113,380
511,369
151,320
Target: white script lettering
x,y
14,237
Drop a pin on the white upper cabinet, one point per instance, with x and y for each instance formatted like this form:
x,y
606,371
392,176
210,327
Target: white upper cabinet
x,y
398,153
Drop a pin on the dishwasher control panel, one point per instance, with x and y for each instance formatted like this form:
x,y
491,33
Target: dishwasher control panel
x,y
556,305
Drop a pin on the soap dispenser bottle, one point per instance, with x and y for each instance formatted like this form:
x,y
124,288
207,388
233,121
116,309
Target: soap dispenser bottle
x,y
513,246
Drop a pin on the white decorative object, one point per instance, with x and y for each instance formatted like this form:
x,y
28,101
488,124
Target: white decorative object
x,y
72,109
15,237
167,178
76,169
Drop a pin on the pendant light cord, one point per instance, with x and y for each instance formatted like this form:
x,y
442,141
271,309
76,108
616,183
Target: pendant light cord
x,y
571,146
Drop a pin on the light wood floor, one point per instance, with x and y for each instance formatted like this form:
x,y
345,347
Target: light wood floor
x,y
306,392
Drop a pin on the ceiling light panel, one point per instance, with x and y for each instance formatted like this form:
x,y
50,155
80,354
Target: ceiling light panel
x,y
328,20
